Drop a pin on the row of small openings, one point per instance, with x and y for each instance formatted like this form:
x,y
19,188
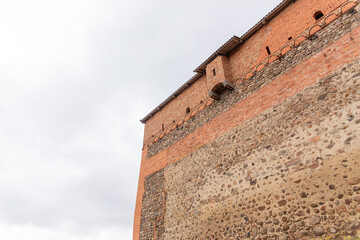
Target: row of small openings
x,y
187,112
317,16
188,109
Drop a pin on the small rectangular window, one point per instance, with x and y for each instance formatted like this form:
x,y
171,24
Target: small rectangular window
x,y
318,15
268,50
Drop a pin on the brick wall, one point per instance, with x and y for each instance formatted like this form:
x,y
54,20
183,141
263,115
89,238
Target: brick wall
x,y
245,89
292,21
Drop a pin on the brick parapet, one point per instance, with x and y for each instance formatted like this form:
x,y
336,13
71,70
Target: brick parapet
x,y
248,74
298,52
287,84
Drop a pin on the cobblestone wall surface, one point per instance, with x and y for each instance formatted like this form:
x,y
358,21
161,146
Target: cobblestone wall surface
x,y
153,206
291,172
302,52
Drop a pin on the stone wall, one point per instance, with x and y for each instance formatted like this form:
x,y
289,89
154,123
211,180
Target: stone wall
x,y
152,221
292,171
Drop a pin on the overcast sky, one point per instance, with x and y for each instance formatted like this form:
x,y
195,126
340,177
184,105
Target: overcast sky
x,y
76,76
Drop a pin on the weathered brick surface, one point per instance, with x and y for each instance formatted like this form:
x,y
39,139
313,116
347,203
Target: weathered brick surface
x,y
276,158
302,52
291,22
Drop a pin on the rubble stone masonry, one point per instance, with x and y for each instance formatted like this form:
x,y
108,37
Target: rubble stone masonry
x,y
278,157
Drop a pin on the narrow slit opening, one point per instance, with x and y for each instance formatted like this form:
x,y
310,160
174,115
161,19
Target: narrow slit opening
x,y
268,50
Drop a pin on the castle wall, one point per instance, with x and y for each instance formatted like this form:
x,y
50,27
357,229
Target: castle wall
x,y
277,157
